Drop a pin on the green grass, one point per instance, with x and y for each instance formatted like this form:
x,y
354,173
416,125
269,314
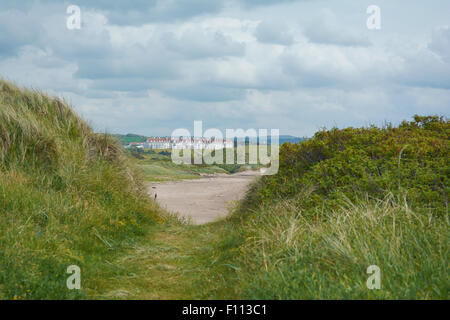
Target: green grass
x,y
155,166
126,139
171,263
67,196
282,252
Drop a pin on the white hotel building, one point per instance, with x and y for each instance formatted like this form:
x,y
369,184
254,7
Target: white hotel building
x,y
185,143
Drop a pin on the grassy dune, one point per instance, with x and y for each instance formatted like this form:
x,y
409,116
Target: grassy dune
x,y
67,197
342,201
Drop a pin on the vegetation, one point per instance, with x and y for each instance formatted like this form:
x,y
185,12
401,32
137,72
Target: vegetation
x,y
171,262
126,139
411,160
343,201
68,197
157,165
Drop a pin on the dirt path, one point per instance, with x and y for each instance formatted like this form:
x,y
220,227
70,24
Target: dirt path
x,y
203,200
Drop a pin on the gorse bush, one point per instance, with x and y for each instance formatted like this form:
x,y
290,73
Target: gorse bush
x,y
342,201
67,196
412,159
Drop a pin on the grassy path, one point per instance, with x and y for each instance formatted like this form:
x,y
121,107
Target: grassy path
x,y
174,262
179,260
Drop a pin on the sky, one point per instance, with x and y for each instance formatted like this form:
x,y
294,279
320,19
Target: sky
x,y
152,66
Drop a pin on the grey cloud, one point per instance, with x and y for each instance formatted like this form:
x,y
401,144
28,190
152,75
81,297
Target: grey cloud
x,y
307,69
198,44
326,28
273,32
136,64
167,10
136,12
15,32
45,28
425,71
204,93
440,43
131,85
326,34
254,3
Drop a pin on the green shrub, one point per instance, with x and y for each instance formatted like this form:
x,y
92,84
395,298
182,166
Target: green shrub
x,y
411,159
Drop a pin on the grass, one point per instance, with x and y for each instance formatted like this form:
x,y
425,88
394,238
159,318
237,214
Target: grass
x,y
282,252
161,168
157,165
171,263
68,196
128,138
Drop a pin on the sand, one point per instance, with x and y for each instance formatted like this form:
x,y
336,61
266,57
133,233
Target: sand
x,y
203,200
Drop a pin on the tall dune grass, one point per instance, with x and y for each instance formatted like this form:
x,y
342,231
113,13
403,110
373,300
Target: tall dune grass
x,y
67,196
285,254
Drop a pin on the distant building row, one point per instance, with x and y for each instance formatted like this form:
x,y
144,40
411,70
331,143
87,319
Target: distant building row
x,y
182,143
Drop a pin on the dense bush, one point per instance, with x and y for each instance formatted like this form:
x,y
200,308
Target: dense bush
x,y
412,159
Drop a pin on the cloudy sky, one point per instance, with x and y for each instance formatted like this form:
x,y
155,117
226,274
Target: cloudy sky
x,y
151,66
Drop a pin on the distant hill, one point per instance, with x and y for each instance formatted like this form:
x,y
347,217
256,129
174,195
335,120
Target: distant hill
x,y
125,139
282,139
290,139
